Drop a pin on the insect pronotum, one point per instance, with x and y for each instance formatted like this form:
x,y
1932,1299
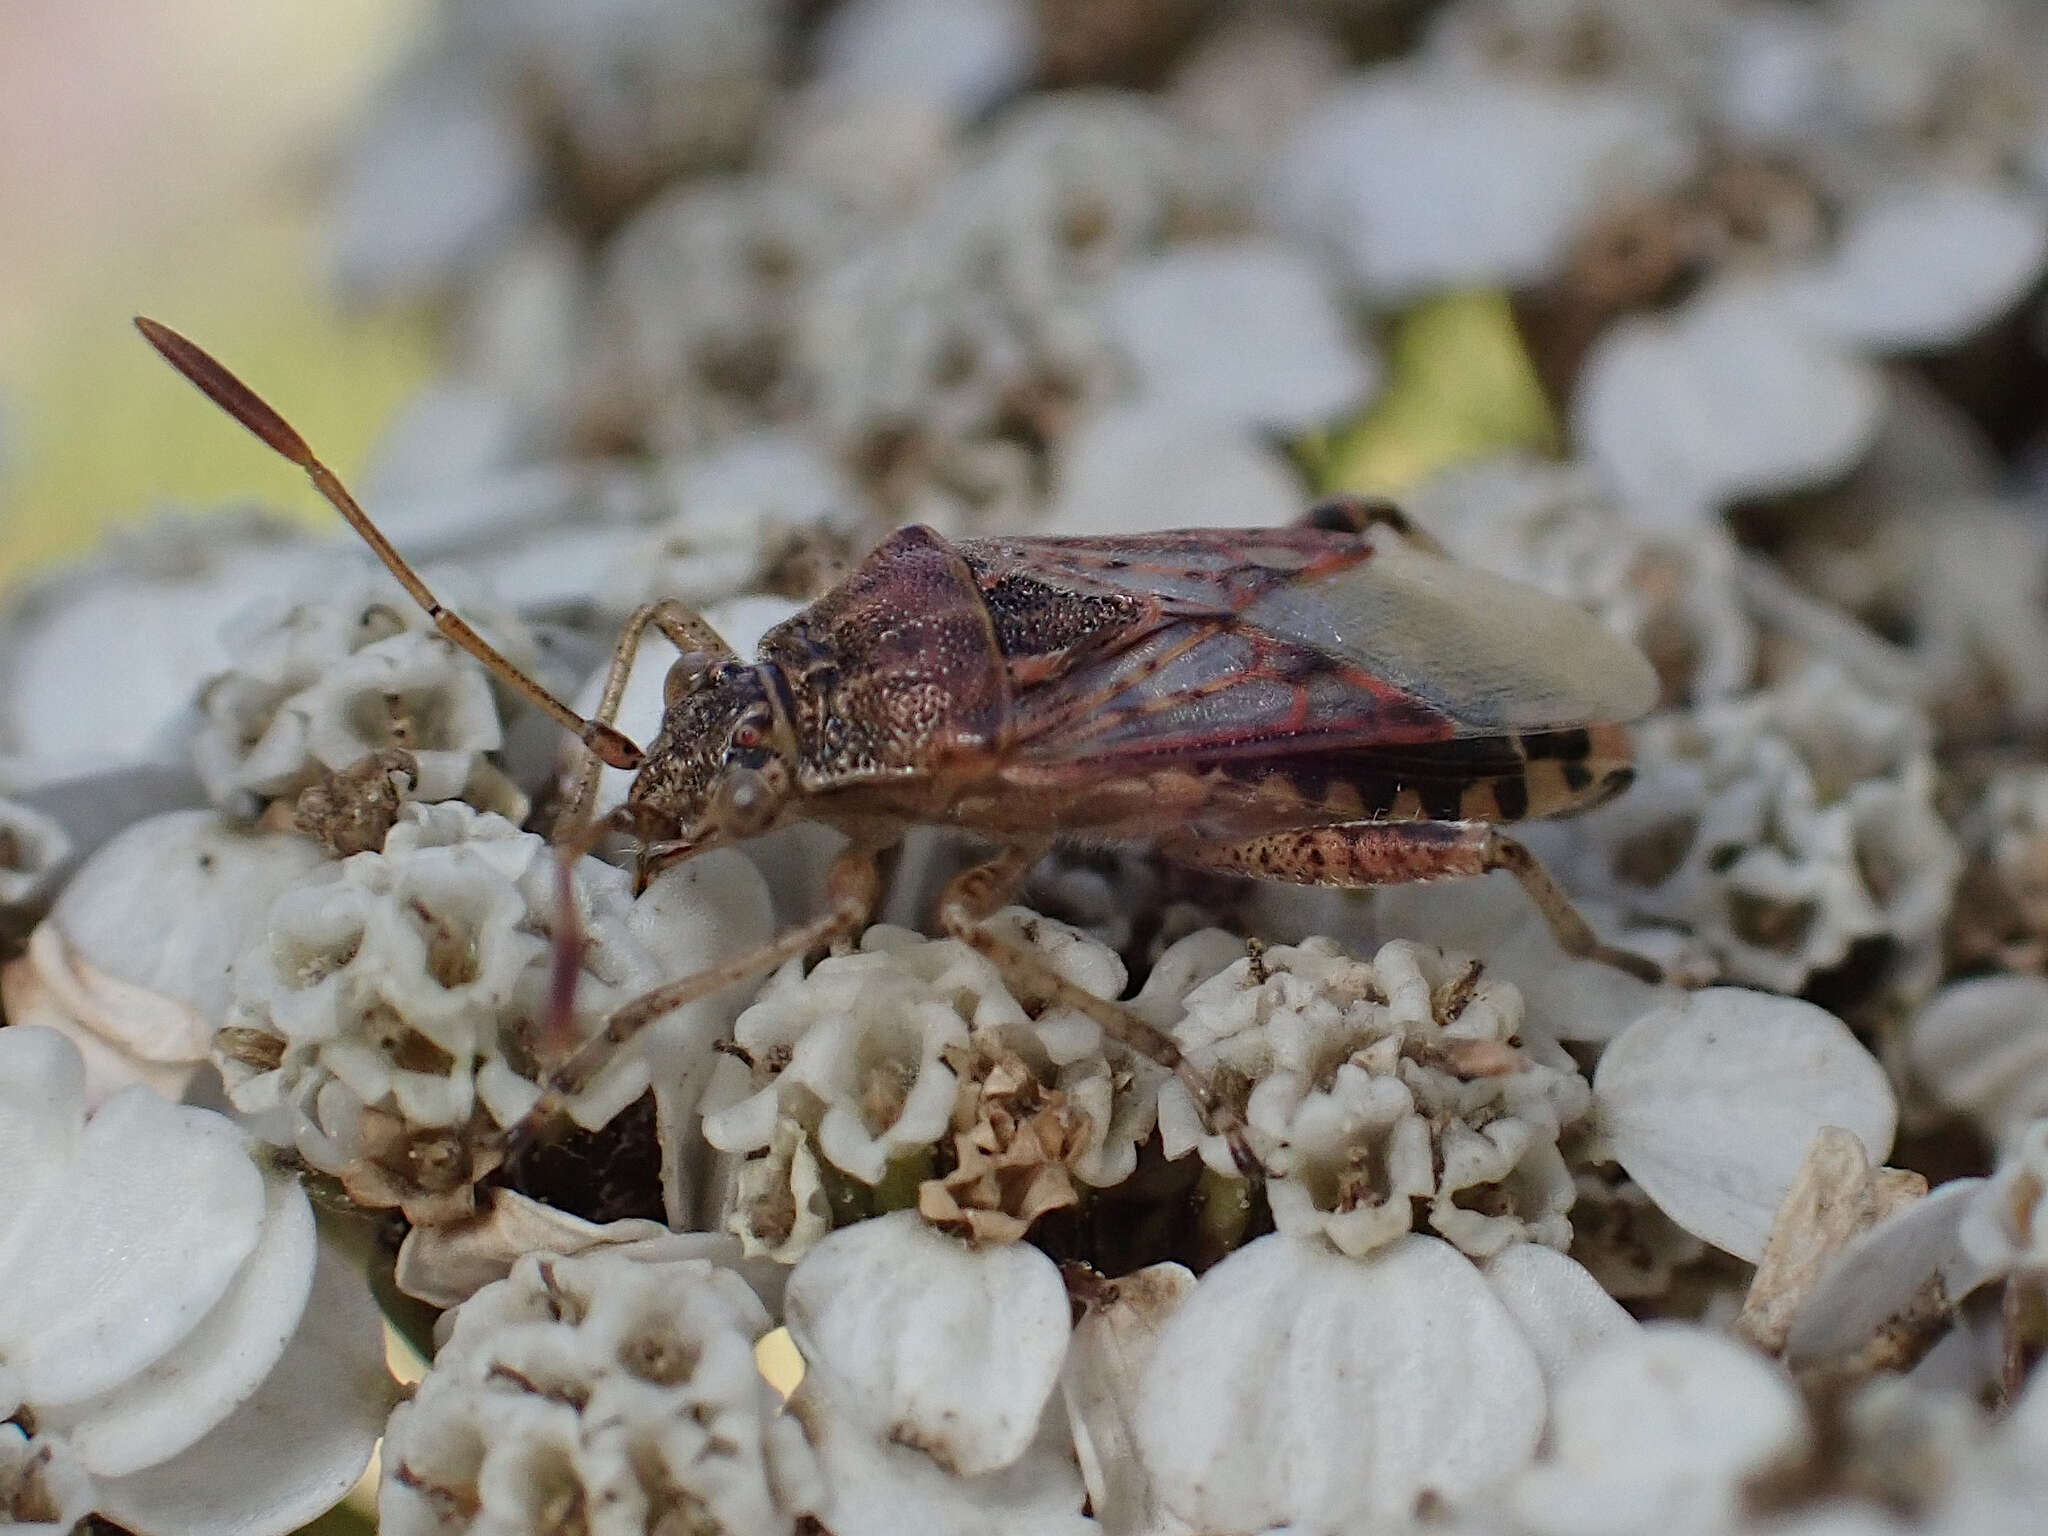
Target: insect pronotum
x,y
1335,703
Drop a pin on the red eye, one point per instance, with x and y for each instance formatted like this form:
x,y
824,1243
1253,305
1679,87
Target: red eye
x,y
747,737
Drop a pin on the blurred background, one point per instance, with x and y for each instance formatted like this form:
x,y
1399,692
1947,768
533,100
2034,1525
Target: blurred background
x,y
696,297
173,157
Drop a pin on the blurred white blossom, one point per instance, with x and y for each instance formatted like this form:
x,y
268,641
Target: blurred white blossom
x,y
167,1300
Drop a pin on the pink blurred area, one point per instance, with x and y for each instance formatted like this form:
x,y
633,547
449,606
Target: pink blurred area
x,y
117,116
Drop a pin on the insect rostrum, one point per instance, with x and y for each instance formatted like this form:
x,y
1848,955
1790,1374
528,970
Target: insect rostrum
x,y
1334,703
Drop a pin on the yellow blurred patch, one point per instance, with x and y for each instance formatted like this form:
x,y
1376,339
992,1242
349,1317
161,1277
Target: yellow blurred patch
x,y
101,430
1460,386
776,1357
201,210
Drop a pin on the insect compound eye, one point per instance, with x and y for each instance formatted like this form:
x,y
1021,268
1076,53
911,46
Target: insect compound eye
x,y
688,670
747,736
746,801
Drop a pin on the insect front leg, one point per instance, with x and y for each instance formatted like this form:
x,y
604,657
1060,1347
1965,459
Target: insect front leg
x,y
972,898
851,888
687,631
1393,852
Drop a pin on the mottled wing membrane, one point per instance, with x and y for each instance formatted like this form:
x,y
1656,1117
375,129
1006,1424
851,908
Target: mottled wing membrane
x,y
1213,688
1235,643
1492,654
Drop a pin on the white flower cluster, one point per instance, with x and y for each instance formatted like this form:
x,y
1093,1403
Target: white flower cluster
x,y
1379,1088
696,299
327,681
1791,830
605,1393
167,1302
399,1013
914,1056
948,356
624,92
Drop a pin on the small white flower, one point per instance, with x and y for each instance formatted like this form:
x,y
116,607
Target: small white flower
x,y
1441,175
132,962
1923,266
923,348
856,1047
325,681
701,295
915,1044
928,1386
1981,1046
1784,829
928,1342
1659,1430
1238,332
1300,1386
1723,399
1564,997
779,1207
166,1303
1710,1104
1761,383
620,1392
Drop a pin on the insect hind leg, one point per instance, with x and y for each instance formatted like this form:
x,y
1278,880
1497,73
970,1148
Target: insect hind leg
x,y
1364,854
972,898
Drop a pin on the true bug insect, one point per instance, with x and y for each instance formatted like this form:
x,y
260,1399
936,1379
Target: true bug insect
x,y
1335,703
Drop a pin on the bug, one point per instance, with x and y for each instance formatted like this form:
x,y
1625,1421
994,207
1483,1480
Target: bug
x,y
1335,703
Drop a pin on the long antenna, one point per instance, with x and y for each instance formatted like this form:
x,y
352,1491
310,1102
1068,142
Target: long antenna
x,y
613,746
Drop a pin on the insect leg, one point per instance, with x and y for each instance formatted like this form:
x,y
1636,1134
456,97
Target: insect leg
x,y
686,631
852,886
1355,514
1394,852
973,896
